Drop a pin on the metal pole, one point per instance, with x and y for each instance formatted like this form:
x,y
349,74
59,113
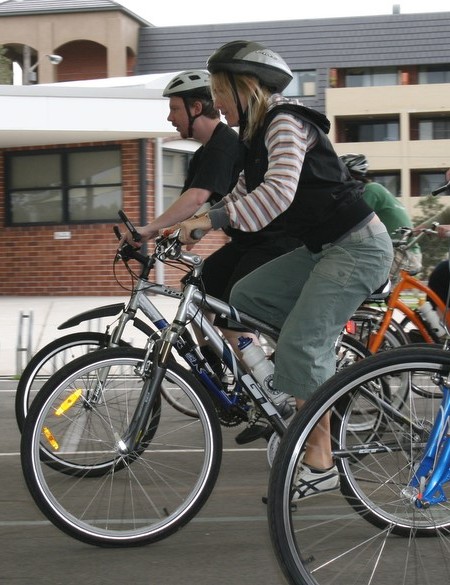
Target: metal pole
x,y
159,196
24,340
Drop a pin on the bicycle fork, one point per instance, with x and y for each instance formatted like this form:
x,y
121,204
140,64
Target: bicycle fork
x,y
425,488
152,372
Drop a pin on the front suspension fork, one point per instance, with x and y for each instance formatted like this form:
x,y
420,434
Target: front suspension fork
x,y
153,372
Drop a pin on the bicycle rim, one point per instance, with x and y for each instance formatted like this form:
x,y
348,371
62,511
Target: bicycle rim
x,y
369,531
135,499
49,360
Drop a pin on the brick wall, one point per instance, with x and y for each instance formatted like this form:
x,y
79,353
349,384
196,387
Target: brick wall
x,y
34,263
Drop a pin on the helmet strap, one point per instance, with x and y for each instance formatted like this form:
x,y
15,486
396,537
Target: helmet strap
x,y
241,114
191,118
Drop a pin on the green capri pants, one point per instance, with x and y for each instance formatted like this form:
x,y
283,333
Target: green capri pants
x,y
310,297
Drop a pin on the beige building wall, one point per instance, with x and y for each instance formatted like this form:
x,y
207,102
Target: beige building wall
x,y
405,155
46,33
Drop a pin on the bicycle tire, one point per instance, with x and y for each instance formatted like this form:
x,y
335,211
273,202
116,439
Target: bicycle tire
x,y
348,351
53,356
157,491
395,335
369,531
50,359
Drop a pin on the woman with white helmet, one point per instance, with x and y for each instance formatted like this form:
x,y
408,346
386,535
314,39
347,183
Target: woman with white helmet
x,y
312,291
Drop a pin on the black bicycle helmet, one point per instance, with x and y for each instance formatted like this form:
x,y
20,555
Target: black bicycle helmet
x,y
356,163
194,83
251,58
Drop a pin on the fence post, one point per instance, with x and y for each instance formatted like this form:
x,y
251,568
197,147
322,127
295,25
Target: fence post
x,y
24,340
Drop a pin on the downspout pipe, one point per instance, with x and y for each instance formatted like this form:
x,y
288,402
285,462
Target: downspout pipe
x,y
159,199
143,185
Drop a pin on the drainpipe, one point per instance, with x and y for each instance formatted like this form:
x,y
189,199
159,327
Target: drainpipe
x,y
143,185
159,202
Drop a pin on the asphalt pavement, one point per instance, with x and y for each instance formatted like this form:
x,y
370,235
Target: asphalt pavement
x,y
227,543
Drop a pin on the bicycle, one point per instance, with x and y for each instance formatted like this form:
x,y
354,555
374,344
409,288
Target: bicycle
x,y
378,328
394,477
109,462
52,357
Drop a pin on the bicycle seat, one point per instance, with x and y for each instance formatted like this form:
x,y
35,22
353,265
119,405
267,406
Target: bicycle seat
x,y
414,271
381,293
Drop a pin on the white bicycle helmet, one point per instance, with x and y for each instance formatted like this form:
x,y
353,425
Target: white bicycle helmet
x,y
356,163
251,58
195,83
192,85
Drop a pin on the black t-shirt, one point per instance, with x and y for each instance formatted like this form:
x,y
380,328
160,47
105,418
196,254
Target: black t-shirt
x,y
216,165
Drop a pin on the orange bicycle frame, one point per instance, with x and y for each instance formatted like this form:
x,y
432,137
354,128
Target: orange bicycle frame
x,y
394,302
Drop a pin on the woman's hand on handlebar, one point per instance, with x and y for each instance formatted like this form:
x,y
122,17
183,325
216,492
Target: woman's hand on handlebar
x,y
192,230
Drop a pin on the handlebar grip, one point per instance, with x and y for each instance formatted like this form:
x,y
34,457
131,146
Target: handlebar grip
x,y
117,232
197,234
133,231
441,189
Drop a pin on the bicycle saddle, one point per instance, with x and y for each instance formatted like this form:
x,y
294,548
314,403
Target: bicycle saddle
x,y
381,293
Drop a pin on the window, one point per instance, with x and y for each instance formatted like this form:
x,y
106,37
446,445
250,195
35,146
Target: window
x,y
363,130
430,128
302,85
424,182
371,76
175,165
389,180
68,186
434,74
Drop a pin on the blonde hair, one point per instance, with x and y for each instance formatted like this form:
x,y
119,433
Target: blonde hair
x,y
253,93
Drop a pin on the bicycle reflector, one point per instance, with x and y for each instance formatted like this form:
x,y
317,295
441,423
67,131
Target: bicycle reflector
x,y
68,402
50,438
350,327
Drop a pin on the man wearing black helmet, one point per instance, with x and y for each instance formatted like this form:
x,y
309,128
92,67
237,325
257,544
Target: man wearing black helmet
x,y
312,291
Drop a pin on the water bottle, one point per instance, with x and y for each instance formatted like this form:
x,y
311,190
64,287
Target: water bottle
x,y
430,317
261,367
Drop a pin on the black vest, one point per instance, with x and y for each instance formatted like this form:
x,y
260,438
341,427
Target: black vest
x,y
328,202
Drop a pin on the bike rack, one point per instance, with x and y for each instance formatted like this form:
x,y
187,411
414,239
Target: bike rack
x,y
24,340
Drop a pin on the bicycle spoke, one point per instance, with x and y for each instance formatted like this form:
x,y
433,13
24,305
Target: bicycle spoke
x,y
374,530
86,482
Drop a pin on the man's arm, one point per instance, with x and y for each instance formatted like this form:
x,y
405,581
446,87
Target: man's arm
x,y
183,208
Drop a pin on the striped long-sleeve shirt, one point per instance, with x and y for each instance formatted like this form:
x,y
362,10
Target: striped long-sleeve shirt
x,y
287,140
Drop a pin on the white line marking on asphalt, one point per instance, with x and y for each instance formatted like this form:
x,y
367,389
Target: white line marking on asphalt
x,y
241,450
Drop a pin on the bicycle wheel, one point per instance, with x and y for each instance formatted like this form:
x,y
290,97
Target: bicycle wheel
x,y
50,359
117,500
368,320
348,351
368,532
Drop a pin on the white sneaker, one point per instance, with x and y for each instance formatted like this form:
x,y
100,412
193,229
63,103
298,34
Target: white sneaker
x,y
310,483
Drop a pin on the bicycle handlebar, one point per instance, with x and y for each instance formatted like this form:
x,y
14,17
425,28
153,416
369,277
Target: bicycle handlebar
x,y
441,189
168,246
408,240
133,231
197,234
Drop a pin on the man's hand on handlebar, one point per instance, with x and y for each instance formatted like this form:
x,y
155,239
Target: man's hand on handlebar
x,y
145,234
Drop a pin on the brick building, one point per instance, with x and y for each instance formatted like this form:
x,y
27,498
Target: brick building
x,y
74,151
